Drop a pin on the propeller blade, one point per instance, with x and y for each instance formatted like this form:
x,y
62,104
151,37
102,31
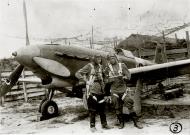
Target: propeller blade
x,y
11,81
26,23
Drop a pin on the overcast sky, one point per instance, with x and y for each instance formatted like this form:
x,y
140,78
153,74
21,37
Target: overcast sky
x,y
67,18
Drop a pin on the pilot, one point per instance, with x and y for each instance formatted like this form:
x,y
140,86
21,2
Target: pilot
x,y
92,75
118,73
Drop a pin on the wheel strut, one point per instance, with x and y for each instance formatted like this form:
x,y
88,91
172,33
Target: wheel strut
x,y
48,108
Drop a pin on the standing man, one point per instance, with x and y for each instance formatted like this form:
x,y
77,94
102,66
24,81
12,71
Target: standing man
x,y
92,75
118,73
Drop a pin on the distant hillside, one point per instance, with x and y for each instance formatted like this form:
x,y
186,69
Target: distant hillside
x,y
137,41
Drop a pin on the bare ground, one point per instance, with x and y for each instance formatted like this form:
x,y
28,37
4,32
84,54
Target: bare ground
x,y
23,118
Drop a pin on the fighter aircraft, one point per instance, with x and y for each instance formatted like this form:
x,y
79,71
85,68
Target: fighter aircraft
x,y
57,64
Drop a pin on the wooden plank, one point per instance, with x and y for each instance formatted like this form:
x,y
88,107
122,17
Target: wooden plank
x,y
29,85
30,95
176,51
31,90
22,97
27,73
168,52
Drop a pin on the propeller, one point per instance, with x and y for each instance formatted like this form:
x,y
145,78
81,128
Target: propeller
x,y
7,84
11,81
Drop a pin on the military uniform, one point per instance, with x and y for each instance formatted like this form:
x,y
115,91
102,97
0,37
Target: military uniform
x,y
95,100
118,73
118,88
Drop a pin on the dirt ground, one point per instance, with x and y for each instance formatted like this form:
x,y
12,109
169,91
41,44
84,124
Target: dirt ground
x,y
23,118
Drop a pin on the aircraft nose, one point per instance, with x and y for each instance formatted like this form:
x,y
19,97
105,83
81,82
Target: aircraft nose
x,y
24,55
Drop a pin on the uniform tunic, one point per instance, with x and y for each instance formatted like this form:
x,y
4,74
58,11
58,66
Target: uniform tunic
x,y
118,85
84,73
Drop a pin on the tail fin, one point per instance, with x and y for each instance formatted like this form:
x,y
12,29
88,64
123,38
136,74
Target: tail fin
x,y
160,54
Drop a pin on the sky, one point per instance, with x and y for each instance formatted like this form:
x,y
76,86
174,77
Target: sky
x,y
68,18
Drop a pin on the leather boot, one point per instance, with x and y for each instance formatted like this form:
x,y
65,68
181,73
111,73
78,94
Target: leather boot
x,y
92,119
106,127
121,121
133,116
93,129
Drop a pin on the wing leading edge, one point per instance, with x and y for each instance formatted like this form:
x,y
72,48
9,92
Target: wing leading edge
x,y
162,71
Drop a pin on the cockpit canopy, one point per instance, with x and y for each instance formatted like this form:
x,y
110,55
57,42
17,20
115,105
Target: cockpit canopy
x,y
125,53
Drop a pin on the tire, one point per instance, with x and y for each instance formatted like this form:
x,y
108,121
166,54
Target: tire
x,y
49,109
40,106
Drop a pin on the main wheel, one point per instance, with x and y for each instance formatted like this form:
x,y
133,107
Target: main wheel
x,y
40,106
49,109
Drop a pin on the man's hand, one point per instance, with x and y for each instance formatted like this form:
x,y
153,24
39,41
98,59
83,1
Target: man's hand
x,y
107,99
125,78
81,82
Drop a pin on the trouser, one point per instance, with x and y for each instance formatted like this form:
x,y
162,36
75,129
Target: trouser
x,y
94,107
118,105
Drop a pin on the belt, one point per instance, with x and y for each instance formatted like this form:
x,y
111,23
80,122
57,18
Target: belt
x,y
122,98
101,101
97,80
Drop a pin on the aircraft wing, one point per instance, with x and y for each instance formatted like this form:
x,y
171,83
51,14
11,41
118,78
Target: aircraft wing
x,y
158,72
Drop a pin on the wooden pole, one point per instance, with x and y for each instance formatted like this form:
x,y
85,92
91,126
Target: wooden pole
x,y
24,87
92,40
65,41
90,43
2,100
188,44
139,52
137,97
114,45
176,39
164,57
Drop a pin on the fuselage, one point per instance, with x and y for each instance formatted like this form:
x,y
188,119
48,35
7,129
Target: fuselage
x,y
57,64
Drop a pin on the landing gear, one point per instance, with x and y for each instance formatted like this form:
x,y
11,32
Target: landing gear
x,y
48,108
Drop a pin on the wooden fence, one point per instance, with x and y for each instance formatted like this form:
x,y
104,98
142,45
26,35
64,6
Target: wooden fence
x,y
24,91
19,92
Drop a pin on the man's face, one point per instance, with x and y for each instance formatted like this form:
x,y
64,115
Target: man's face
x,y
98,60
112,60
